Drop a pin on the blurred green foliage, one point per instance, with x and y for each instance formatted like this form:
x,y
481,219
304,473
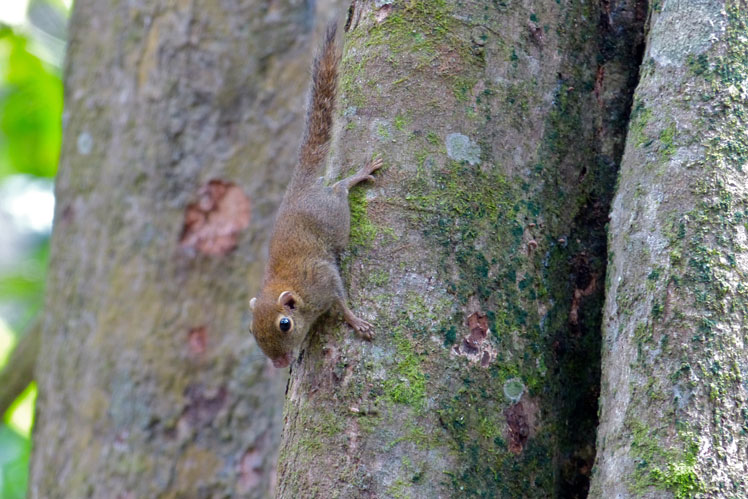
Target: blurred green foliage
x,y
30,110
14,463
22,285
30,137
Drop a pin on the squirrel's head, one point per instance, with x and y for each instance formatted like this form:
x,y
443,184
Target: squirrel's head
x,y
278,325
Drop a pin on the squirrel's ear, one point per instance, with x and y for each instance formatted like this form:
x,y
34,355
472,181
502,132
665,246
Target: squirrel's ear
x,y
252,303
289,299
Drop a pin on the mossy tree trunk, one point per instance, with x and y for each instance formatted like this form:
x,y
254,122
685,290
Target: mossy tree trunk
x,y
479,254
181,124
674,420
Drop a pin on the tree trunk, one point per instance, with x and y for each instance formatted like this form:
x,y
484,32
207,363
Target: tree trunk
x,y
181,125
673,416
479,254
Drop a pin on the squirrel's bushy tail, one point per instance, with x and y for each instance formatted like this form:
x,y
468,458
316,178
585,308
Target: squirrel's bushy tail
x,y
319,117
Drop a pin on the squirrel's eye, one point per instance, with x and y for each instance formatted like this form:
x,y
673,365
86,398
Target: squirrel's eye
x,y
284,324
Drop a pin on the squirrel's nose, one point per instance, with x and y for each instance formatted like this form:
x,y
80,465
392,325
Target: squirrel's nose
x,y
282,361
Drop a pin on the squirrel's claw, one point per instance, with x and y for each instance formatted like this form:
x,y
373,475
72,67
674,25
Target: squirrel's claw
x,y
374,165
363,328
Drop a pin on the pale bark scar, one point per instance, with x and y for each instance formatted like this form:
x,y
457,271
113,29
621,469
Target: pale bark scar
x,y
213,223
197,340
522,423
518,427
475,346
383,12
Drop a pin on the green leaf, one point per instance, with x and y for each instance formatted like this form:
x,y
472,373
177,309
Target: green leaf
x,y
14,464
30,110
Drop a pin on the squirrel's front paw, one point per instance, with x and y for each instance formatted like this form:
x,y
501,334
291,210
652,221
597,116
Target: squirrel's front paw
x,y
365,329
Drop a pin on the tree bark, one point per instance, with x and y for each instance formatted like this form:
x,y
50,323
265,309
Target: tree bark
x,y
181,123
479,253
673,414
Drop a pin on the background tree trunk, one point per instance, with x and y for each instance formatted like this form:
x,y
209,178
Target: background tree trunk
x,y
181,125
479,254
674,414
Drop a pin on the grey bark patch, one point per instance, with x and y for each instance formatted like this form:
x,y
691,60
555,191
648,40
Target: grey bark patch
x,y
203,404
84,143
382,130
683,28
250,468
461,148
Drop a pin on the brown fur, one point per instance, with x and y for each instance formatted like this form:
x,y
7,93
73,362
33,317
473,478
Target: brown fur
x,y
311,229
321,106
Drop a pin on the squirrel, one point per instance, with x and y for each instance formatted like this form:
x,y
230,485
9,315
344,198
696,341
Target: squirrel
x,y
302,279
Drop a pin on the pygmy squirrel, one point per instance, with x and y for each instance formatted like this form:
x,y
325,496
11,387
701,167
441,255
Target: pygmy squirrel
x,y
302,279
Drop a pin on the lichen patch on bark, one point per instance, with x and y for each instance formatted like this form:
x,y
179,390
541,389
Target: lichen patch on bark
x,y
461,148
212,223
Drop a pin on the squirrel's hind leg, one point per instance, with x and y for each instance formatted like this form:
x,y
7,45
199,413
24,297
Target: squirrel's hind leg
x,y
362,175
